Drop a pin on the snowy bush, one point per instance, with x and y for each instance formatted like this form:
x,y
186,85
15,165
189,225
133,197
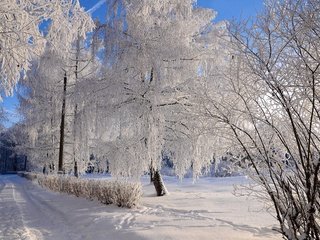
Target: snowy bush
x,y
126,194
122,194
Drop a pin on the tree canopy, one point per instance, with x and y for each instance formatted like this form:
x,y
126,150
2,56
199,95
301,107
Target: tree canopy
x,y
27,27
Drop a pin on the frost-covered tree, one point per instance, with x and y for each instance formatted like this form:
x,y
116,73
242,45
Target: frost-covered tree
x,y
26,27
40,107
85,69
267,110
156,49
63,24
51,104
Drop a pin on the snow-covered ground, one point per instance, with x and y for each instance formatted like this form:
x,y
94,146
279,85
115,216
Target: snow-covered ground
x,y
204,210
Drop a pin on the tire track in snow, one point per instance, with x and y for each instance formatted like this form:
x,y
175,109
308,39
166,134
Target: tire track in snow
x,y
22,206
45,215
11,222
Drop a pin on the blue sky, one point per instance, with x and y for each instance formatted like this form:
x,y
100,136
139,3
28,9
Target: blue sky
x,y
233,9
227,10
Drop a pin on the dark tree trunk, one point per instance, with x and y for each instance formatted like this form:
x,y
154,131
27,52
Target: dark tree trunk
x,y
62,125
158,184
76,173
151,174
25,163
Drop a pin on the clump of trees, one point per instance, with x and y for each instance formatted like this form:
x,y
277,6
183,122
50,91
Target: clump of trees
x,y
127,96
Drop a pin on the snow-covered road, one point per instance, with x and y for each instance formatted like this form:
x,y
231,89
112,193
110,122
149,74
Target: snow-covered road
x,y
206,210
30,212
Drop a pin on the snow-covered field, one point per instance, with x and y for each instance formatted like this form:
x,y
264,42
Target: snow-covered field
x,y
204,210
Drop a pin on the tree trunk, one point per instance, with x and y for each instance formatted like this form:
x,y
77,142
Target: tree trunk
x,y
76,173
62,125
25,163
151,174
159,184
